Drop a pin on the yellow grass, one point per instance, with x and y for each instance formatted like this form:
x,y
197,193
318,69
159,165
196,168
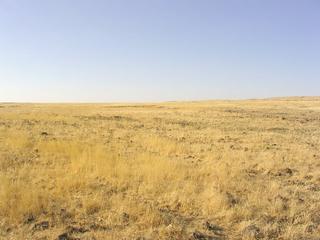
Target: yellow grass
x,y
179,170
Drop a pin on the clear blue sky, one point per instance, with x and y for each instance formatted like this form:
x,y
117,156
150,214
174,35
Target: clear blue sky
x,y
154,50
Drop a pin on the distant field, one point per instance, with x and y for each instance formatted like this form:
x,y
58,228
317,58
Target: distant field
x,y
180,170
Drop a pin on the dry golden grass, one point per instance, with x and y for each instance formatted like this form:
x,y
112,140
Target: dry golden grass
x,y
179,170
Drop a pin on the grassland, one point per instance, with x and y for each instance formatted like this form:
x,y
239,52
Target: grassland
x,y
179,170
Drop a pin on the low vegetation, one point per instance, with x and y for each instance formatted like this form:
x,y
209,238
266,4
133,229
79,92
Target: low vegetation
x,y
178,170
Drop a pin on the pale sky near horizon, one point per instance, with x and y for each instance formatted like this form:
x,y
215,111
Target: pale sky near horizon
x,y
158,50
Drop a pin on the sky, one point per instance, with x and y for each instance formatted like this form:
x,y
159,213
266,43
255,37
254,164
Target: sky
x,y
158,50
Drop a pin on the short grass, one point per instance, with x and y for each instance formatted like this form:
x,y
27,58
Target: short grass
x,y
180,170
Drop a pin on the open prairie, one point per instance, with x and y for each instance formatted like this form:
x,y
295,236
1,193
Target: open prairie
x,y
179,170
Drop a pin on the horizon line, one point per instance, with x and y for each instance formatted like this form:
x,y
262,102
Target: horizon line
x,y
160,101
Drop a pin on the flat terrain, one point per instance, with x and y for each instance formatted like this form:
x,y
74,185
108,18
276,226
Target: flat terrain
x,y
179,170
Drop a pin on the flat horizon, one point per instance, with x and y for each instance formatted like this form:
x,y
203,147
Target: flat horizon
x,y
165,101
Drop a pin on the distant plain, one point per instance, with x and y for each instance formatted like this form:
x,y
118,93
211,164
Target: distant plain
x,y
245,169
